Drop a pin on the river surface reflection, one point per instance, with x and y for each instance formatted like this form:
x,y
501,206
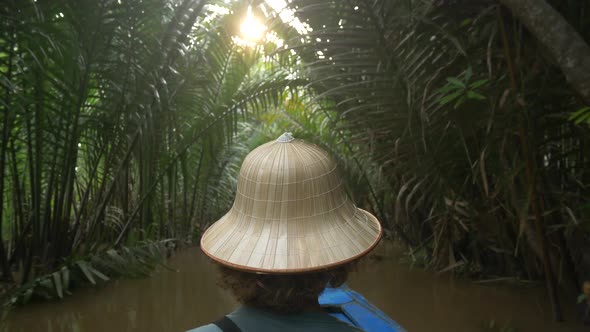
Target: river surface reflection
x,y
178,300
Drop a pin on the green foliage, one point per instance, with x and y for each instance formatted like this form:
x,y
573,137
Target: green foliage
x,y
581,116
116,116
136,262
423,88
459,90
125,121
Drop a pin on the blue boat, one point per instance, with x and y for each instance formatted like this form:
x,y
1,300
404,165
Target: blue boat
x,y
352,308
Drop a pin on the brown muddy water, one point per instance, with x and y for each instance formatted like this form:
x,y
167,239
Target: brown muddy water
x,y
178,300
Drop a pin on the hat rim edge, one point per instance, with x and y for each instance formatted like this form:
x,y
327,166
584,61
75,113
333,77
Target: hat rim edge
x,y
318,268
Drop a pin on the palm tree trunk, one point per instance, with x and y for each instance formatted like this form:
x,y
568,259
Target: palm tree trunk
x,y
531,180
6,128
564,43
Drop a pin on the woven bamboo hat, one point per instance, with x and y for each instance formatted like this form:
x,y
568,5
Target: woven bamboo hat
x,y
291,214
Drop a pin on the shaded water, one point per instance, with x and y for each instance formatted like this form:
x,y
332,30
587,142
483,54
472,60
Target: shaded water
x,y
176,301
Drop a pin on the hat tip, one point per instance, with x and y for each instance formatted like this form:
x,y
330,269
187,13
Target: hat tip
x,y
286,137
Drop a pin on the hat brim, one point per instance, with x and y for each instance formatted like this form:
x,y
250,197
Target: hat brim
x,y
366,223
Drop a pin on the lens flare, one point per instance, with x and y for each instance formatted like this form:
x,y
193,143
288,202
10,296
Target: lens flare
x,y
252,29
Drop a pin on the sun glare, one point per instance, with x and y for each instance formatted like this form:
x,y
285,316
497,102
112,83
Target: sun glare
x,y
251,29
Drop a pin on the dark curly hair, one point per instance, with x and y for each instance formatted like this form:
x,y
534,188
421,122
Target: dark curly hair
x,y
281,293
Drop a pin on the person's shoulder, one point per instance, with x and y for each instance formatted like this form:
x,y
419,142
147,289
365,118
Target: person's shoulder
x,y
254,319
206,328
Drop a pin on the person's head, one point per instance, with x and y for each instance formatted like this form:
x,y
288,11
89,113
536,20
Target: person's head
x,y
283,293
291,230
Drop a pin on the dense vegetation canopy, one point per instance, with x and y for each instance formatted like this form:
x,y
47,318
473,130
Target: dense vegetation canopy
x,y
125,122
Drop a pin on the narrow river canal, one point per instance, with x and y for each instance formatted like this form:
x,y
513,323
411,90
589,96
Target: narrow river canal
x,y
178,300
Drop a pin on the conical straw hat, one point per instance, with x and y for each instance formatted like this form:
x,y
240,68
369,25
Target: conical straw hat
x,y
291,214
